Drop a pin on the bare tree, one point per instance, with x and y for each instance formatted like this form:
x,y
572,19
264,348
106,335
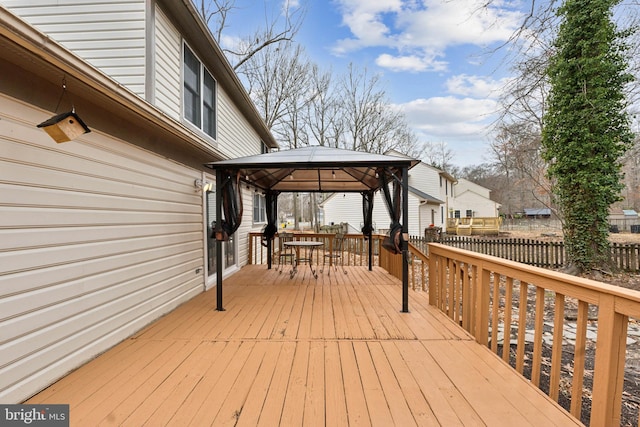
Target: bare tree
x,y
276,78
279,80
325,121
631,169
438,155
282,27
516,155
373,124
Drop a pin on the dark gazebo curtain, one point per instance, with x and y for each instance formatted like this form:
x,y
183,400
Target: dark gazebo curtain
x,y
231,206
271,229
367,212
393,201
367,229
269,232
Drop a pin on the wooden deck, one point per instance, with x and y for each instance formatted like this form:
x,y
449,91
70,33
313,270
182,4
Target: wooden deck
x,y
333,351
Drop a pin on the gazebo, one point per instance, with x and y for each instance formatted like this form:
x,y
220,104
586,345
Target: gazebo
x,y
314,169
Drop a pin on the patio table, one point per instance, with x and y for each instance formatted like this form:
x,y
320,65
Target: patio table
x,y
310,246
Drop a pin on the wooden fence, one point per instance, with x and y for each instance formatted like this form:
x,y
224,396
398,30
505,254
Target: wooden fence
x,y
533,252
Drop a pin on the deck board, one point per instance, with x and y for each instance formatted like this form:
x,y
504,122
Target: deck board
x,y
335,350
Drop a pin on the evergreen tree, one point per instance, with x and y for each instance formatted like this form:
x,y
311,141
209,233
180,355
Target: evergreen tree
x,y
586,129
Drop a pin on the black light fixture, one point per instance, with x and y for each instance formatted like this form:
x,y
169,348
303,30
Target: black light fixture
x,y
65,126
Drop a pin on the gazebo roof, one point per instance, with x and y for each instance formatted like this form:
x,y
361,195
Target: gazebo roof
x,y
316,169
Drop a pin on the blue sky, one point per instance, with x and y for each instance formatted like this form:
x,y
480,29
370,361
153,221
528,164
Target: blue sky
x,y
431,56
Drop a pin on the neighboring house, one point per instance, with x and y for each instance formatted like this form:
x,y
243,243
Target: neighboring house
x,y
472,200
623,220
102,235
430,193
617,214
434,195
537,213
340,208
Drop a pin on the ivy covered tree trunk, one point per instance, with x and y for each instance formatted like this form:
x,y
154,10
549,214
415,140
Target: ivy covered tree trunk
x,y
586,129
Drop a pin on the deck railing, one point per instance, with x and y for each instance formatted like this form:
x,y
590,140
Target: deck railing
x,y
355,252
544,323
355,249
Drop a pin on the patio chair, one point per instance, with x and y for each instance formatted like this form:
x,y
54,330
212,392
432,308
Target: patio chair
x,y
285,252
335,254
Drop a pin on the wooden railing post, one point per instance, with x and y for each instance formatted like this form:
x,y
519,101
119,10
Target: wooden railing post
x,y
250,260
433,279
482,310
609,364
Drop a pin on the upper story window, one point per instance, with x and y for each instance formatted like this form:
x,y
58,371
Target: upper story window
x,y
259,208
199,94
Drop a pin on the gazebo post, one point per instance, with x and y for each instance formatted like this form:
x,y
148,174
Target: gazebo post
x,y
219,179
405,242
271,205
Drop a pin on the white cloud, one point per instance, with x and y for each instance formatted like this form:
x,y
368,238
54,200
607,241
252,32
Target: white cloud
x,y
475,86
461,123
450,116
412,63
290,4
446,23
422,32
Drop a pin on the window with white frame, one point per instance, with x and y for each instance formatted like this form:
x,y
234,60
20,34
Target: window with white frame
x,y
199,90
259,208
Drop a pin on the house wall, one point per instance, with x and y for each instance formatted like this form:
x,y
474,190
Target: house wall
x,y
428,180
97,238
425,216
425,179
236,137
347,207
463,185
113,39
110,38
167,66
480,205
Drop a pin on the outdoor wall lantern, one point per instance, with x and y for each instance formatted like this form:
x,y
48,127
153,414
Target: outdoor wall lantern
x,y
64,127
202,185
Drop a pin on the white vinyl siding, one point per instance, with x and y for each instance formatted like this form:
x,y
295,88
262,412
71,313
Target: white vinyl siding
x,y
476,203
347,207
426,179
97,239
108,34
236,137
247,226
167,66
